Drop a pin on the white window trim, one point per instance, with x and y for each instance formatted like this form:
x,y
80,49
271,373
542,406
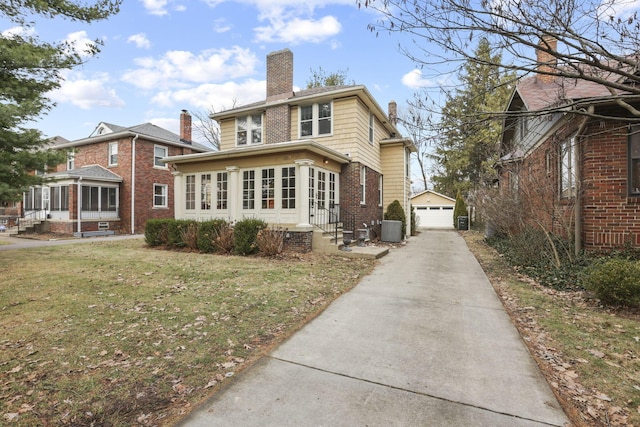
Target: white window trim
x,y
315,120
166,153
568,166
165,193
380,193
111,152
372,122
363,185
71,160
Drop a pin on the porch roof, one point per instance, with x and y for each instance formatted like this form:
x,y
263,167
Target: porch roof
x,y
281,147
93,172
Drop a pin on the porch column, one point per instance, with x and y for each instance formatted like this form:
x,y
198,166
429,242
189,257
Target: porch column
x,y
178,195
303,166
234,192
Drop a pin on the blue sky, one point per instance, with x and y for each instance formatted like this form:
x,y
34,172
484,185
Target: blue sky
x,y
162,56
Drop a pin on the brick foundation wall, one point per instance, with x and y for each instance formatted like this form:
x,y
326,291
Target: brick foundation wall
x,y
298,241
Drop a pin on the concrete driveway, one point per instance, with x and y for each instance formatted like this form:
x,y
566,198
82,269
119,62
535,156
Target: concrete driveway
x,y
422,341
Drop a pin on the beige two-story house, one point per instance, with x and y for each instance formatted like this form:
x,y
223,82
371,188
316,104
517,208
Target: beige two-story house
x,y
303,160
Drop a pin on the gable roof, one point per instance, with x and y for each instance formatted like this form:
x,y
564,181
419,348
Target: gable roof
x,y
314,94
108,131
426,192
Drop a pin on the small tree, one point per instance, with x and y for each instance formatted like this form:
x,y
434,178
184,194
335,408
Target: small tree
x,y
395,212
459,210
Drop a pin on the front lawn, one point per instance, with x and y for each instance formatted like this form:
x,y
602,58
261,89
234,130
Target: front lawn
x,y
117,334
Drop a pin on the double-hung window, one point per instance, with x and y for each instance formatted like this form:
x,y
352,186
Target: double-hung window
x,y
71,160
160,195
205,191
113,154
159,152
316,119
567,168
249,130
633,159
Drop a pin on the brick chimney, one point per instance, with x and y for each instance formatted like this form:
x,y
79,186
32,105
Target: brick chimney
x,y
393,112
279,75
277,118
546,62
185,126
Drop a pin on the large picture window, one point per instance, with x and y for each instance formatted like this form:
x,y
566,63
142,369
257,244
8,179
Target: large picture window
x,y
316,119
634,162
249,130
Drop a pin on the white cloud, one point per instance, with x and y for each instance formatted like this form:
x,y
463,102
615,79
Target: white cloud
x,y
619,8
297,30
217,96
414,79
155,7
140,40
87,93
221,26
81,44
177,69
18,31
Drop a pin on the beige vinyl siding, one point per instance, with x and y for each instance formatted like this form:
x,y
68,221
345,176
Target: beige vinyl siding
x,y
228,134
393,169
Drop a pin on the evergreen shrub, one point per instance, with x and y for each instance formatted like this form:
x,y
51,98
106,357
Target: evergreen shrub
x,y
395,212
614,282
245,233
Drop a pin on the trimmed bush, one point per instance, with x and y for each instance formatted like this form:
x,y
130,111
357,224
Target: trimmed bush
x,y
614,282
208,233
245,233
156,232
395,212
414,221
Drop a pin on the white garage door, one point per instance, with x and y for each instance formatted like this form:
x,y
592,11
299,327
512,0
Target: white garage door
x,y
435,216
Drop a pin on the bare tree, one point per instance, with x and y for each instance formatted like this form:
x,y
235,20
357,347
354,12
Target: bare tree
x,y
587,40
207,129
418,123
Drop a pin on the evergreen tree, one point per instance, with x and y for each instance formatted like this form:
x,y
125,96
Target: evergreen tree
x,y
469,129
29,69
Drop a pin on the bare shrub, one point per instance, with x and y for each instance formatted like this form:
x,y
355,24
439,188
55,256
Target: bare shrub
x,y
189,235
270,241
222,240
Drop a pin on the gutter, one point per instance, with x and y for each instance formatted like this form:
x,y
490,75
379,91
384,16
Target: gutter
x,y
578,205
133,184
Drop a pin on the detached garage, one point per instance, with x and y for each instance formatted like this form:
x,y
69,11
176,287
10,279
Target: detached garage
x,y
433,210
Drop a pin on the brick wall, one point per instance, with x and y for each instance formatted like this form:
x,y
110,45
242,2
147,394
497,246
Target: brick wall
x,y
610,218
350,199
298,241
277,124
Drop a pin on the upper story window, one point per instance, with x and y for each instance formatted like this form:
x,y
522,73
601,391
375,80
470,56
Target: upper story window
x,y
371,124
71,160
633,160
315,120
159,152
249,130
113,154
568,166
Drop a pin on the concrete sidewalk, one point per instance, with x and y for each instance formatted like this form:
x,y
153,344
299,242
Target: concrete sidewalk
x,y
422,341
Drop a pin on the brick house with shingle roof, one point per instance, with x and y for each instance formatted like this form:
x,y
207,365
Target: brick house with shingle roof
x,y
113,181
575,152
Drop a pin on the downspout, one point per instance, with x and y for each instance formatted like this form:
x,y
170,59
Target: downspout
x,y
578,205
133,184
79,226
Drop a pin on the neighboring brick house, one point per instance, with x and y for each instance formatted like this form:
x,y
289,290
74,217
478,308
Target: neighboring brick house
x,y
579,168
122,179
302,160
